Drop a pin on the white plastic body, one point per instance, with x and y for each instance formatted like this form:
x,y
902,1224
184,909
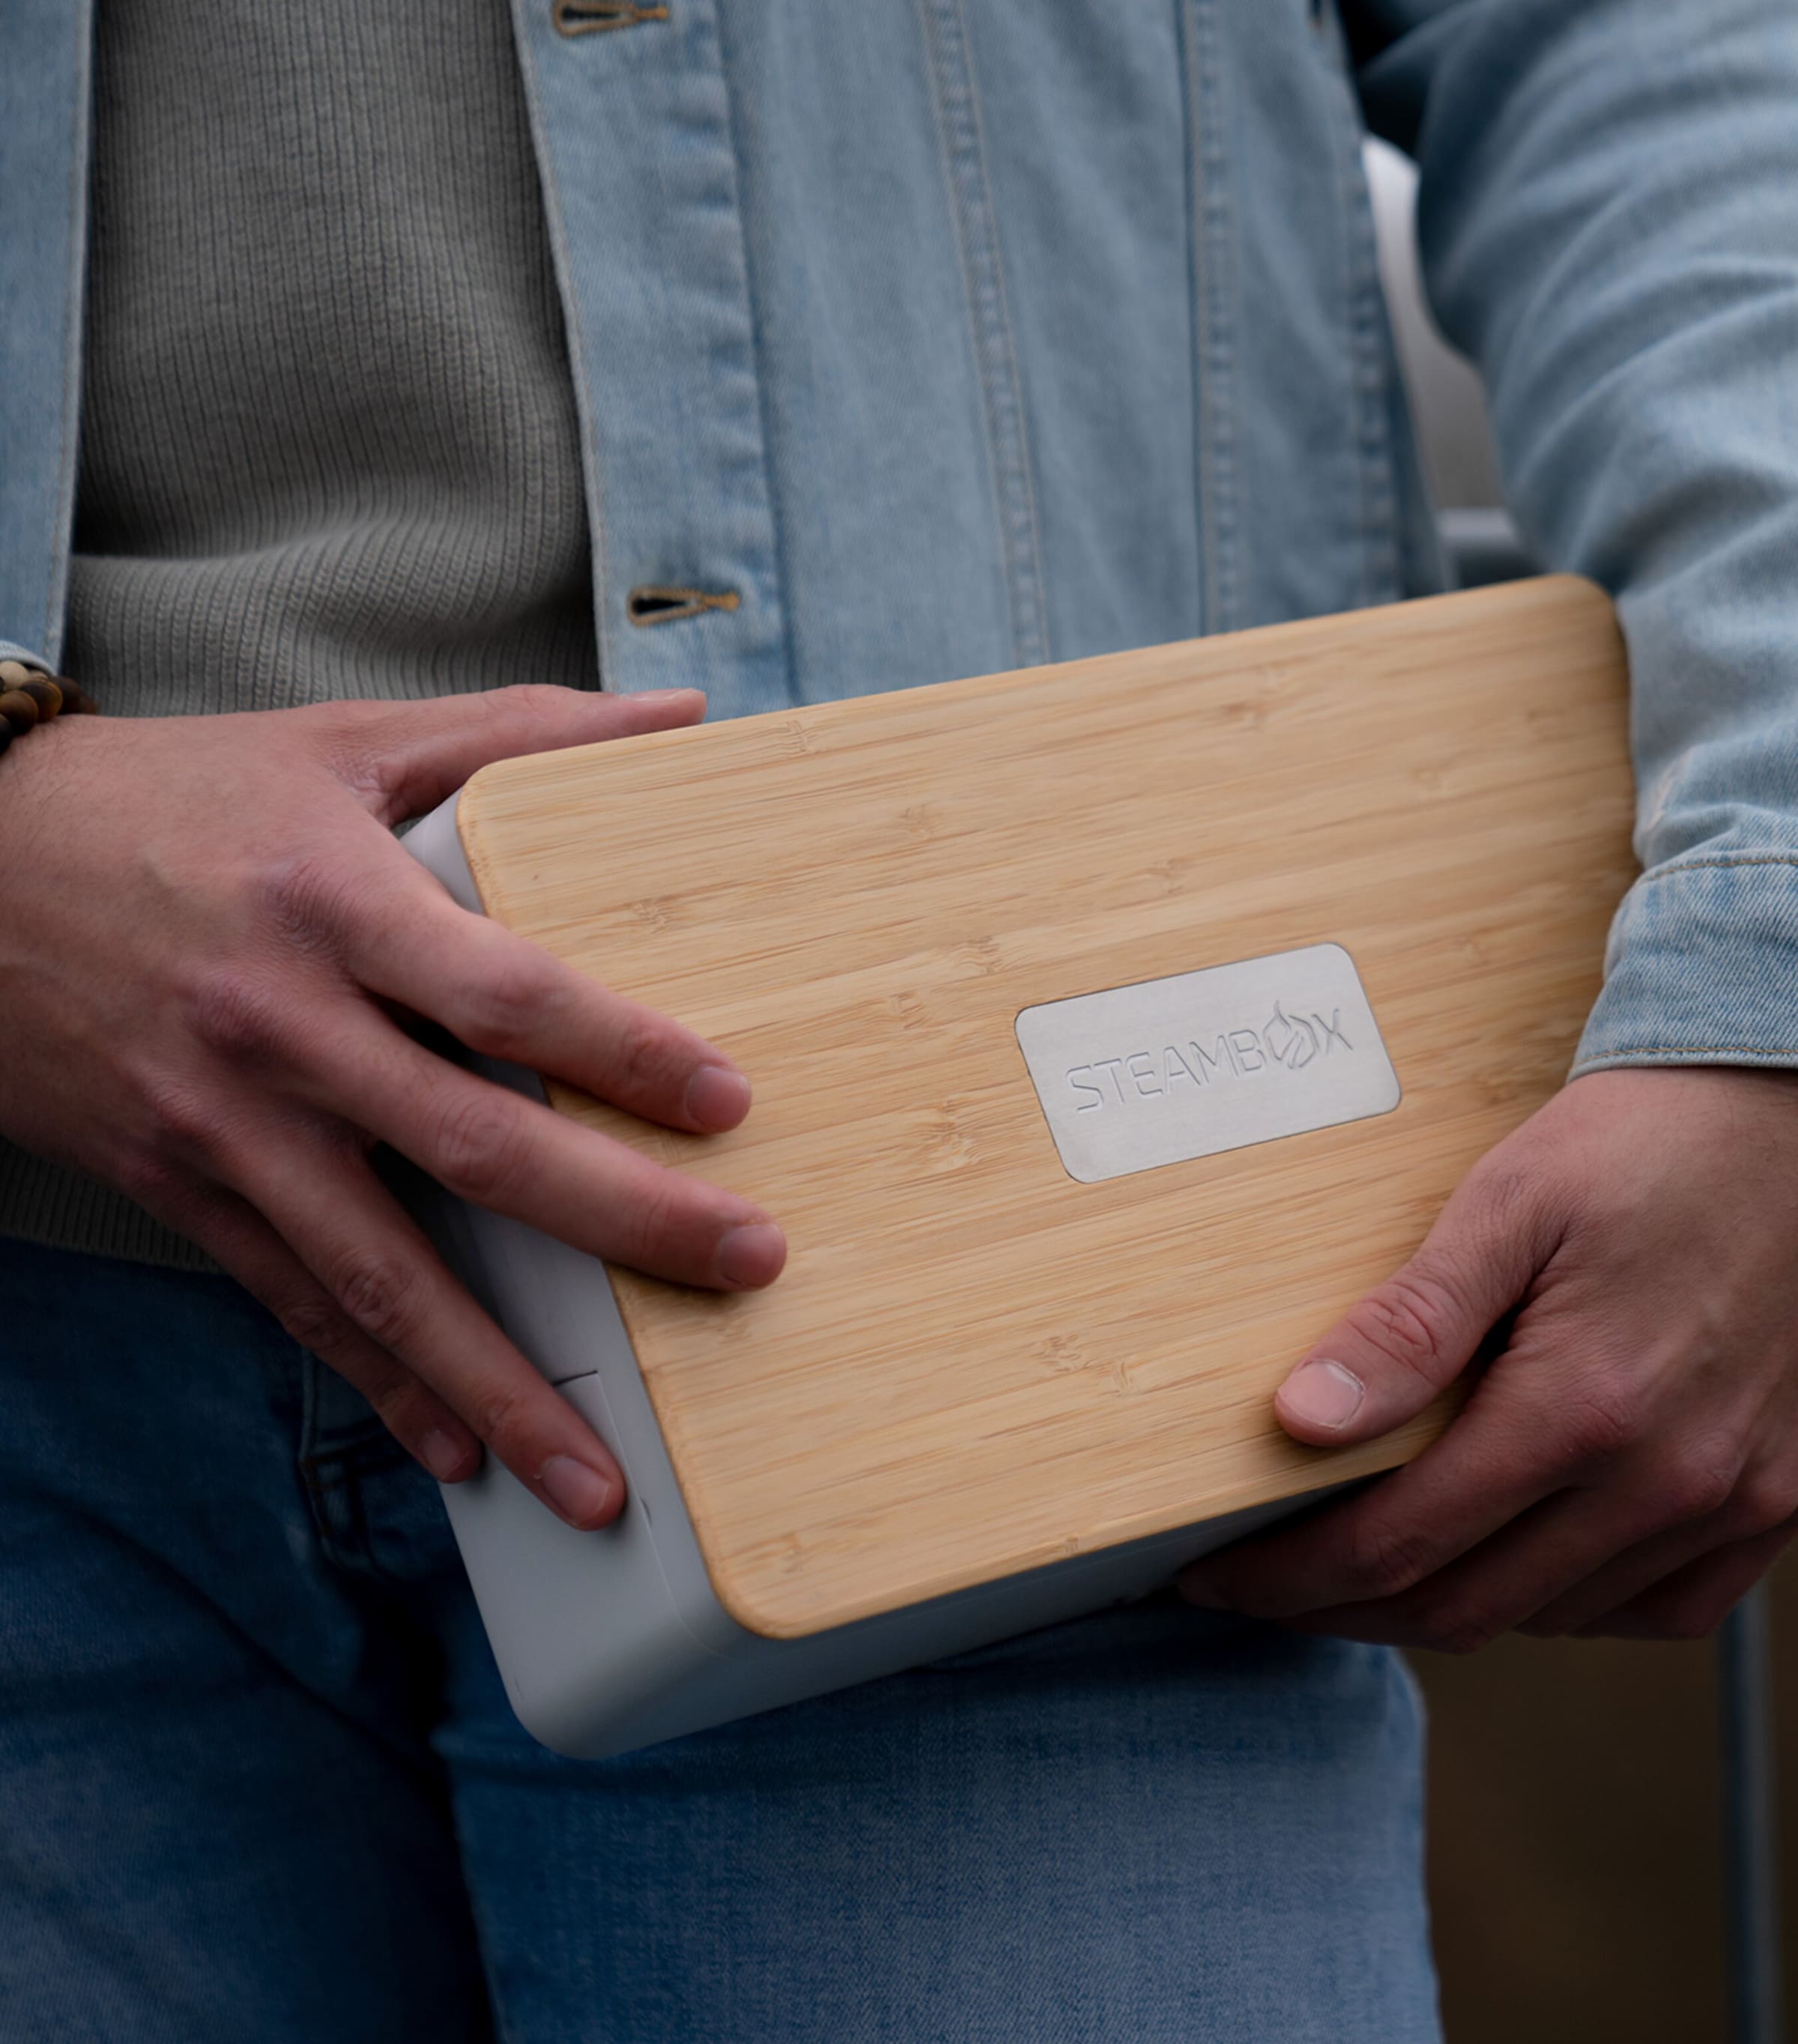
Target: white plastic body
x,y
614,1640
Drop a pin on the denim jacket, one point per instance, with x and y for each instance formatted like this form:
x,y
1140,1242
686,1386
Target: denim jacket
x,y
955,335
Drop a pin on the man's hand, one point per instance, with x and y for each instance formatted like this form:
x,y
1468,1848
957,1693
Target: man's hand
x,y
204,922
1628,1462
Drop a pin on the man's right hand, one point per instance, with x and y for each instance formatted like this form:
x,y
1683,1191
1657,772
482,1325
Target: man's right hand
x,y
204,920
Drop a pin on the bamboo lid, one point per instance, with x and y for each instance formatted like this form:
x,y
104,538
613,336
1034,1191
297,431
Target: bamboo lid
x,y
975,1363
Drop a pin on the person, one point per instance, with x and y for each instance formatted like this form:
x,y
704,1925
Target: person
x,y
389,391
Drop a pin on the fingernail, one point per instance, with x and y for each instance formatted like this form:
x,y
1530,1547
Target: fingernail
x,y
662,695
753,1255
445,1457
1322,1394
717,1097
582,1495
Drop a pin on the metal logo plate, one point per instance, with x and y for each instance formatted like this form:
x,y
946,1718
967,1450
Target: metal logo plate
x,y
1139,1076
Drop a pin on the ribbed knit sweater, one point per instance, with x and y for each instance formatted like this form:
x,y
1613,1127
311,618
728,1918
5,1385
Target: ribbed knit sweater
x,y
329,445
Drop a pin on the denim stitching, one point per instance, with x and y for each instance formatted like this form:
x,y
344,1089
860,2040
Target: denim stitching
x,y
1688,1050
1214,278
1723,862
958,127
330,1494
580,360
771,497
334,1476
1370,362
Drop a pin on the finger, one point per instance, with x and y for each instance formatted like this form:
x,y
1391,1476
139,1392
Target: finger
x,y
1566,1542
1695,1601
1763,1500
404,938
1397,1348
492,1147
406,758
377,1266
237,1238
1495,1462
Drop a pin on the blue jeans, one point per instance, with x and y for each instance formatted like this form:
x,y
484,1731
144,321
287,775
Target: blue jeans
x,y
258,1778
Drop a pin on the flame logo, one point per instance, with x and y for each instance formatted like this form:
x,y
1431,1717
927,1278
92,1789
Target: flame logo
x,y
1289,1043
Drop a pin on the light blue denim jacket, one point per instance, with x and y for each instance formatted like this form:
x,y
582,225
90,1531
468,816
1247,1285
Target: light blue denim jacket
x,y
958,334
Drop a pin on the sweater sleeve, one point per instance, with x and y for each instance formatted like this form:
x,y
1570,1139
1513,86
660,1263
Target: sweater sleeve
x,y
1608,225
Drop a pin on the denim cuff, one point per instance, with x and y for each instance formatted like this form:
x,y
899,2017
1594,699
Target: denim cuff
x,y
1701,967
22,654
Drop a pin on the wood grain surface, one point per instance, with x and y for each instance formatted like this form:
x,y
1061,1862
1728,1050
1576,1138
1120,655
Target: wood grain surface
x,y
973,1365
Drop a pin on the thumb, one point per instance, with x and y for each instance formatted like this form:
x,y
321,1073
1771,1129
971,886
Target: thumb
x,y
1407,1339
406,758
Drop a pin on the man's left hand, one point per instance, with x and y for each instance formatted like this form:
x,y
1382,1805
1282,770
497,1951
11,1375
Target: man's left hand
x,y
1627,1463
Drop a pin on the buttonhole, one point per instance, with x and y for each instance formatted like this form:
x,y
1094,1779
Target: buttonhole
x,y
594,17
657,605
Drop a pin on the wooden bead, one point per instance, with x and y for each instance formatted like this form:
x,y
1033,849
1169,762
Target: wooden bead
x,y
28,697
18,709
46,693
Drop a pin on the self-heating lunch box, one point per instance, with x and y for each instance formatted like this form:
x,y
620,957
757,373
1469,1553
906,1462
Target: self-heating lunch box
x,y
1112,1027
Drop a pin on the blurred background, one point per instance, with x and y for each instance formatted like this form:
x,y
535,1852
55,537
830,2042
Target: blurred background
x,y
1575,1846
1577,1849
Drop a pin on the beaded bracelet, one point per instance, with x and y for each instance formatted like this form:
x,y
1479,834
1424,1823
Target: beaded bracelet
x,y
28,699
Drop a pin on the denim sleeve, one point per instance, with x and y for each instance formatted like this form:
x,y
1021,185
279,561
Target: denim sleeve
x,y
1608,224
